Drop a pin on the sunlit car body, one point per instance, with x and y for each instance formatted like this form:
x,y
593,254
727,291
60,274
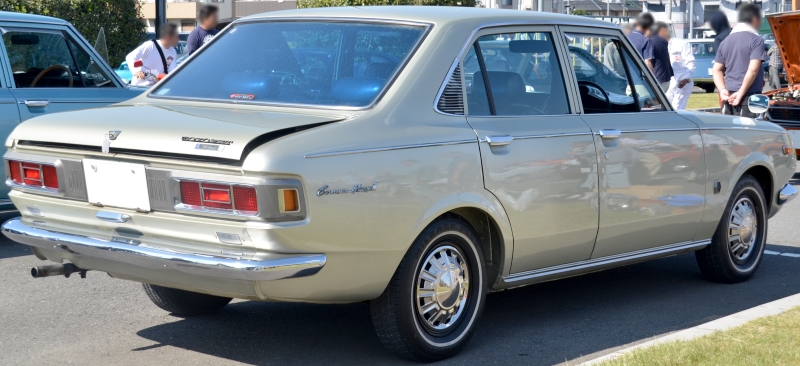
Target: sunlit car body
x,y
256,171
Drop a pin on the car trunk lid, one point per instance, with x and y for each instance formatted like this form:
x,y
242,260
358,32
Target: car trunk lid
x,y
786,26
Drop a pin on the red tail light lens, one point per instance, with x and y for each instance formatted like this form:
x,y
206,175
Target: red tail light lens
x,y
219,196
33,174
246,199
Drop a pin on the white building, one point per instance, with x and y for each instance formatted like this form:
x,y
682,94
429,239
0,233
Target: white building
x,y
681,19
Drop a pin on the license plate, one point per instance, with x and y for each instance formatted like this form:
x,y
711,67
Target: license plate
x,y
116,184
711,72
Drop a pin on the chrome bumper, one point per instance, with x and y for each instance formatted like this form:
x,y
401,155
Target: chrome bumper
x,y
787,193
276,267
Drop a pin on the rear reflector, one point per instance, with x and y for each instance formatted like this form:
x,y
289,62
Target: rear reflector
x,y
245,198
33,174
287,200
190,193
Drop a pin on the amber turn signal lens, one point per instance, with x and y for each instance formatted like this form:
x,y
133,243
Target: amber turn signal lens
x,y
788,150
287,200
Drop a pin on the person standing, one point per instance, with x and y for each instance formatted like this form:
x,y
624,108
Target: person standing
x,y
643,44
611,57
737,67
156,56
718,22
683,65
208,17
775,66
662,67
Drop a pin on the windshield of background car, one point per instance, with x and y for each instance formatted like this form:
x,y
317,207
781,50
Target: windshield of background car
x,y
703,49
309,63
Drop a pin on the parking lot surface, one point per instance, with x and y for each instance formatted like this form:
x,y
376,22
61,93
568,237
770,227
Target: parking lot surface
x,y
100,320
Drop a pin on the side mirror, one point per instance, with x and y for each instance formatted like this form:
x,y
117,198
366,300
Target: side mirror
x,y
758,103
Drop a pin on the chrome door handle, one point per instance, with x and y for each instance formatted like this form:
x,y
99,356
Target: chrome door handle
x,y
37,103
609,134
499,140
112,217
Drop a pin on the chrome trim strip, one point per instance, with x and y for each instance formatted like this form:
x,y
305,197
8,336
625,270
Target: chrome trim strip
x,y
658,130
275,267
597,262
389,148
544,136
739,128
427,26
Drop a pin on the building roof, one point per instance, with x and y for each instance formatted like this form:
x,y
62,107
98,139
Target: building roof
x,y
436,15
8,16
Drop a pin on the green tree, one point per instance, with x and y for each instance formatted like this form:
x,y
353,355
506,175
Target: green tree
x,y
326,3
580,12
121,20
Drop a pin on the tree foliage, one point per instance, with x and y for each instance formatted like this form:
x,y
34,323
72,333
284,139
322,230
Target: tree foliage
x,y
121,20
327,3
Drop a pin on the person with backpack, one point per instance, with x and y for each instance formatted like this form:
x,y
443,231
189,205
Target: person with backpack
x,y
154,57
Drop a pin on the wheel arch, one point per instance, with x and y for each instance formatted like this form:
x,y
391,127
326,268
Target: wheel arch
x,y
758,166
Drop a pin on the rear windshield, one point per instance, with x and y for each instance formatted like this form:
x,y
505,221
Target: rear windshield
x,y
703,49
310,63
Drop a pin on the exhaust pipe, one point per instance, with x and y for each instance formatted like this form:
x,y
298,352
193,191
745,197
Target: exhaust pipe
x,y
65,269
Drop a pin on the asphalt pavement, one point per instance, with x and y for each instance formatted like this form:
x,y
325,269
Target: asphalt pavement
x,y
100,320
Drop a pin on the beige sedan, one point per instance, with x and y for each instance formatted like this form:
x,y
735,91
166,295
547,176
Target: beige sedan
x,y
417,158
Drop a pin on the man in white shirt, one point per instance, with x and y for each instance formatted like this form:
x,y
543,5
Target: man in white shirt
x,y
157,57
682,60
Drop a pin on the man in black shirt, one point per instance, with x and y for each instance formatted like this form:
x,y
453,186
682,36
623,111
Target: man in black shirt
x,y
208,18
662,66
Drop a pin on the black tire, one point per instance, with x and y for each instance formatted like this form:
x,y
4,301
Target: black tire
x,y
720,261
709,88
184,303
409,332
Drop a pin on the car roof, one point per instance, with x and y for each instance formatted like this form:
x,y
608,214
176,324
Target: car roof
x,y
439,15
8,16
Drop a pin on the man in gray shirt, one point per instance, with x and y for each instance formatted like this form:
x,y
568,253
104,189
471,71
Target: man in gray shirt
x,y
737,67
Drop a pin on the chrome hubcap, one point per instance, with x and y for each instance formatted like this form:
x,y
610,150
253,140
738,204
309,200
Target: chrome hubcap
x,y
742,229
442,288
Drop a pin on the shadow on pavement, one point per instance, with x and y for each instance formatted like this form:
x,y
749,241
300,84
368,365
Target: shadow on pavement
x,y
10,249
543,324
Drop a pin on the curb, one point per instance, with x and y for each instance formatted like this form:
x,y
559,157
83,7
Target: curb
x,y
734,320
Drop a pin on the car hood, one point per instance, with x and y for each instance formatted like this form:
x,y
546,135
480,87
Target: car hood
x,y
222,133
785,27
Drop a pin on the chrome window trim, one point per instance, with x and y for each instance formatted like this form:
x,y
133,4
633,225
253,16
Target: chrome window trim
x,y
739,128
378,97
388,148
477,29
544,136
603,261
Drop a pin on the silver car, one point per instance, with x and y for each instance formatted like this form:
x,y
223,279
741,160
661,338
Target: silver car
x,y
416,158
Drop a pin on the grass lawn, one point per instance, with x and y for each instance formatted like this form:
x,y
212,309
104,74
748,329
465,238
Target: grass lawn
x,y
703,100
773,340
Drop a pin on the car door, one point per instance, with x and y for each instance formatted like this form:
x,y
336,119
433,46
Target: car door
x,y
9,119
651,164
538,155
54,70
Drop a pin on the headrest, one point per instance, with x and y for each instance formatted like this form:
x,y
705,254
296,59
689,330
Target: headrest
x,y
503,83
530,46
379,70
260,85
356,91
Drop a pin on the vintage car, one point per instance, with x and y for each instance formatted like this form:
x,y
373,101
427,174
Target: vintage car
x,y
784,108
46,66
704,54
415,185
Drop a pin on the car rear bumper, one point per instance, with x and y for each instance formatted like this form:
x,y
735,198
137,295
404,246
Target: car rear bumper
x,y
268,267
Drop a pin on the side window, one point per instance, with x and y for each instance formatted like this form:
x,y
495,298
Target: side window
x,y
522,73
93,74
41,60
605,84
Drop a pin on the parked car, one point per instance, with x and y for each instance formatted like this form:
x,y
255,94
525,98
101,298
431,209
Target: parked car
x,y
704,54
409,188
46,66
124,72
784,107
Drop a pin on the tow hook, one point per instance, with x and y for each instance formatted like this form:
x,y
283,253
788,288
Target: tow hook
x,y
65,269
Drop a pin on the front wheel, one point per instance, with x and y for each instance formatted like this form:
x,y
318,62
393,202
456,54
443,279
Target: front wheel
x,y
431,305
738,244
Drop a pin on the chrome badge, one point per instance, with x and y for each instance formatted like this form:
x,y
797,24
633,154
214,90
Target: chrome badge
x,y
324,191
112,135
208,141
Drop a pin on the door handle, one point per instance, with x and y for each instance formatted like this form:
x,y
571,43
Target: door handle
x,y
37,103
609,134
499,140
112,217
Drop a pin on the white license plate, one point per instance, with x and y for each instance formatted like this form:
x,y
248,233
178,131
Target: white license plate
x,y
116,184
711,72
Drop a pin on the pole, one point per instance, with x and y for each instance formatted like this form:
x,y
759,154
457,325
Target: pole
x,y
540,5
161,14
608,8
691,18
669,10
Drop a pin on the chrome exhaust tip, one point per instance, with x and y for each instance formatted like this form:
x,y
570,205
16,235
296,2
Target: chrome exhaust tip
x,y
56,270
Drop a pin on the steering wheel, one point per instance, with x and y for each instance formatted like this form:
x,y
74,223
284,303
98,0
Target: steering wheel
x,y
605,95
51,68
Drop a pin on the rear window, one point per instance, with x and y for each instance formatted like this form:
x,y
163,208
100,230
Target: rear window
x,y
703,49
308,63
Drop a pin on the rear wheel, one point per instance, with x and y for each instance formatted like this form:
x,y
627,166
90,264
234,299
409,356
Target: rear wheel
x,y
709,88
738,244
429,309
180,302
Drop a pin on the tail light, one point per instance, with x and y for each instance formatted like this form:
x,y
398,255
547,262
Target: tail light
x,y
33,174
233,198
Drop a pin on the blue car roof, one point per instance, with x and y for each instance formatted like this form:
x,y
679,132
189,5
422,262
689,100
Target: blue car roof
x,y
8,16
